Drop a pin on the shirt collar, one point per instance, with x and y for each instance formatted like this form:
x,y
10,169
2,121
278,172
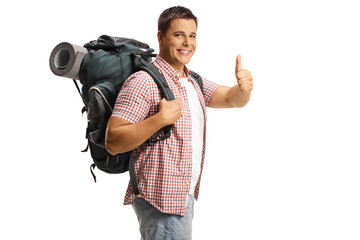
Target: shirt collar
x,y
167,69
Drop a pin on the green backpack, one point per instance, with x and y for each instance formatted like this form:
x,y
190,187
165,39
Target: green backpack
x,y
104,69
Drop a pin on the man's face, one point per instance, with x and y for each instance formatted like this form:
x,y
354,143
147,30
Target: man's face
x,y
178,45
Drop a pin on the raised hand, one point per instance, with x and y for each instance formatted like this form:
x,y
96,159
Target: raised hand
x,y
243,77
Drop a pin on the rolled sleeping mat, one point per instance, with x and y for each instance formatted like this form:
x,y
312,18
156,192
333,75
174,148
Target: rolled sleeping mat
x,y
65,60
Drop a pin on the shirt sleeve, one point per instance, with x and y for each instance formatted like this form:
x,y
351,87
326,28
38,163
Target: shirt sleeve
x,y
132,103
209,89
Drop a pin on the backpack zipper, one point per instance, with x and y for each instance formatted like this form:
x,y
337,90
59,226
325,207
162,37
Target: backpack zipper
x,y
107,103
102,95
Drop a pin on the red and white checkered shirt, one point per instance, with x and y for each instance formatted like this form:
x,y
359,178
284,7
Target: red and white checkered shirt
x,y
163,169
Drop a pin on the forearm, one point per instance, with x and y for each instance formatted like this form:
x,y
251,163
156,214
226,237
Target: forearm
x,y
124,137
238,98
229,97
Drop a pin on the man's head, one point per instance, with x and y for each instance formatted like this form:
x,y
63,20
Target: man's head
x,y
177,36
171,13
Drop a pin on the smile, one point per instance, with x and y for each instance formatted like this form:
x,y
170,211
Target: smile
x,y
184,52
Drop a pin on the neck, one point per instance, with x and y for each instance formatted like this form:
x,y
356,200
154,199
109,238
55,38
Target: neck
x,y
178,67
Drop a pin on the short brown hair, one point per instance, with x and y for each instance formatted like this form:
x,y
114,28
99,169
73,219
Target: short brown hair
x,y
171,13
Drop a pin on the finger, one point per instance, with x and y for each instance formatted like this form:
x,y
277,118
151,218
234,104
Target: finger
x,y
238,66
243,73
246,87
245,82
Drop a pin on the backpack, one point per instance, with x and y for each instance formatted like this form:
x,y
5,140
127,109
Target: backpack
x,y
103,71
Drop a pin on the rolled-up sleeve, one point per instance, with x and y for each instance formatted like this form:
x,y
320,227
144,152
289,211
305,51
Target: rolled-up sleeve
x,y
209,89
132,103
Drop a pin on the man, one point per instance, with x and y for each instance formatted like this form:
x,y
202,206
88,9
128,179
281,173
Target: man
x,y
168,172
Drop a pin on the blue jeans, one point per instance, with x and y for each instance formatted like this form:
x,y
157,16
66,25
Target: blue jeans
x,y
155,225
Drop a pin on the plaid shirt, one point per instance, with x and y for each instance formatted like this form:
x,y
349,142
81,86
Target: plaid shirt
x,y
163,170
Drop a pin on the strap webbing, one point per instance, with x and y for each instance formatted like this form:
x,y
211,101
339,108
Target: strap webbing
x,y
92,166
133,180
77,87
198,79
84,109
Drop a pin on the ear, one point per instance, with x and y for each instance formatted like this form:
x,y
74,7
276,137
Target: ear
x,y
160,37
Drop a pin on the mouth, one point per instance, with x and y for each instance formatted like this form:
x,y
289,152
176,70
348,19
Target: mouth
x,y
184,52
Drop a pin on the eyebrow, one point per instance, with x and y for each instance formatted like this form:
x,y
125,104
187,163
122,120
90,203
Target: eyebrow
x,y
184,32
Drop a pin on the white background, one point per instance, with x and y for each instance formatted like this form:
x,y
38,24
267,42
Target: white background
x,y
284,167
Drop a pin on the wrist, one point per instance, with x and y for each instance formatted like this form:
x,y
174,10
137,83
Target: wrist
x,y
159,120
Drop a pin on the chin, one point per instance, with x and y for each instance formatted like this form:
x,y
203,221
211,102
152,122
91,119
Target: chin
x,y
186,60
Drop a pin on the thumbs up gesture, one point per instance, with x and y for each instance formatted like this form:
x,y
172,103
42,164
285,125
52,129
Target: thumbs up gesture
x,y
243,77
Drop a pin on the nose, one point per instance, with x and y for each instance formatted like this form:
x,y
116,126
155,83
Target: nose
x,y
186,41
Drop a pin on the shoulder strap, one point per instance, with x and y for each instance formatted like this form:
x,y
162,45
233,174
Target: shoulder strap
x,y
156,75
164,87
198,79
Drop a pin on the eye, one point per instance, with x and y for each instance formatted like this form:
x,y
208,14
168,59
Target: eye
x,y
193,36
178,35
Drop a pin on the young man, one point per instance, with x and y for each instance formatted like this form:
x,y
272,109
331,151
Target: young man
x,y
168,172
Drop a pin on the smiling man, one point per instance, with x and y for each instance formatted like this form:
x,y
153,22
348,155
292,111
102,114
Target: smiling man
x,y
168,172
178,43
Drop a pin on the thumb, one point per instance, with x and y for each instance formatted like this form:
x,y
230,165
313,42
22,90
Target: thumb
x,y
238,66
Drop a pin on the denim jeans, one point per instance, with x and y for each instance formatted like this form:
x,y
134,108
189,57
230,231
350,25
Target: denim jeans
x,y
155,225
